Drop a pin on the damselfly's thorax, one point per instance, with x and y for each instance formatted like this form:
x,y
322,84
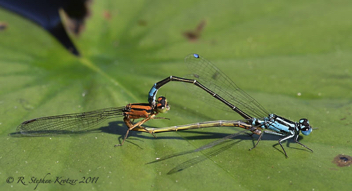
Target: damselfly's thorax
x,y
144,110
282,125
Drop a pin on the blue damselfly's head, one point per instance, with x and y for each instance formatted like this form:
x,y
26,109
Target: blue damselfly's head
x,y
162,106
304,126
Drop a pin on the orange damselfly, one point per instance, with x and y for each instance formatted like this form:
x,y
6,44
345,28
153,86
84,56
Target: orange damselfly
x,y
78,122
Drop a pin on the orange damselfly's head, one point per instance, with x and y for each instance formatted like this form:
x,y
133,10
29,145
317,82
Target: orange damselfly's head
x,y
162,106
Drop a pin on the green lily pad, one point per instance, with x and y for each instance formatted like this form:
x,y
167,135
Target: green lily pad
x,y
293,57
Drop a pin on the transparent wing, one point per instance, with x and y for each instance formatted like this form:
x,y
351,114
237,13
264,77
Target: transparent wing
x,y
214,79
61,124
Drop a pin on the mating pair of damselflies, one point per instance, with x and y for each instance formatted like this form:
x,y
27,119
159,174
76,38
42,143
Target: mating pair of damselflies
x,y
209,79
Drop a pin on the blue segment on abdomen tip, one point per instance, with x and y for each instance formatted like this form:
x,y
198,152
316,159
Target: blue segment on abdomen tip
x,y
152,93
196,55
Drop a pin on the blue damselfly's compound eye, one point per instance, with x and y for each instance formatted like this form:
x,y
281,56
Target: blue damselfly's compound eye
x,y
305,128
